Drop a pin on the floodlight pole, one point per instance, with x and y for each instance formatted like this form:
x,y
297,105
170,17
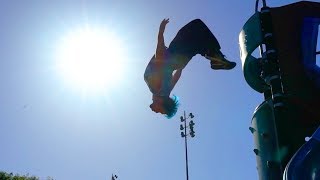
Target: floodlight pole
x,y
186,143
184,134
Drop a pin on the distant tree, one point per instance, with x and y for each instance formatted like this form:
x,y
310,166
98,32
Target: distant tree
x,y
11,176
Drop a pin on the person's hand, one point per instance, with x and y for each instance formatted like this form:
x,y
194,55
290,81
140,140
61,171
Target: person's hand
x,y
163,24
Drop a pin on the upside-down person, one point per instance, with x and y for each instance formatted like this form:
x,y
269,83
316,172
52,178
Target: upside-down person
x,y
165,67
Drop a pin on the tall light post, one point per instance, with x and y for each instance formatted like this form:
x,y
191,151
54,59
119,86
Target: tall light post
x,y
184,134
114,177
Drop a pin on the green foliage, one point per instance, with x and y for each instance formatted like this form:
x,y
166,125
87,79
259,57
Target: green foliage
x,y
11,176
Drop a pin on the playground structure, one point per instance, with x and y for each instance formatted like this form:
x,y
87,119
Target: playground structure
x,y
287,75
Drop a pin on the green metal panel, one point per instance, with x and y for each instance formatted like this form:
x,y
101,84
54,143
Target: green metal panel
x,y
249,39
277,136
267,150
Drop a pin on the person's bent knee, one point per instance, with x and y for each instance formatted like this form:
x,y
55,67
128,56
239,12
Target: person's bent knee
x,y
197,21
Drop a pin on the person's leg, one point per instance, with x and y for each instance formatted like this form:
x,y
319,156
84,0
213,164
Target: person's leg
x,y
184,45
194,38
209,47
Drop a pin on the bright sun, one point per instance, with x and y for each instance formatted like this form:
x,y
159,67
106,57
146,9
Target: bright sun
x,y
90,59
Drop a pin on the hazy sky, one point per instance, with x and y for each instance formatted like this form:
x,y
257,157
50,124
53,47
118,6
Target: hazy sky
x,y
48,128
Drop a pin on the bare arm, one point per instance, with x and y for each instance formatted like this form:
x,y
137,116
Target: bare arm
x,y
161,46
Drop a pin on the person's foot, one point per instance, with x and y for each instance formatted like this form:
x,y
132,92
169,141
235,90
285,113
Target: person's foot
x,y
225,66
218,61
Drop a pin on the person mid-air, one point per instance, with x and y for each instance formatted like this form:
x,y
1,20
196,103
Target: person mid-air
x,y
165,67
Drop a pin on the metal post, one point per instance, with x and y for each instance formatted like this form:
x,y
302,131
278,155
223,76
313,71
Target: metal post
x,y
183,127
270,167
271,72
185,143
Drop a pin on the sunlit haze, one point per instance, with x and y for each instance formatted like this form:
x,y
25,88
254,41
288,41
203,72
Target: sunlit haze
x,y
91,59
54,52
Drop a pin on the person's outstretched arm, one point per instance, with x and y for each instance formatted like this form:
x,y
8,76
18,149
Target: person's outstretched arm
x,y
161,46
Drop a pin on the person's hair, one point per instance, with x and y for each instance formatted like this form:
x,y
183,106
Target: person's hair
x,y
170,106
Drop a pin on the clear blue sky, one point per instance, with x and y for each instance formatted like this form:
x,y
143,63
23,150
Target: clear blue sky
x,y
47,129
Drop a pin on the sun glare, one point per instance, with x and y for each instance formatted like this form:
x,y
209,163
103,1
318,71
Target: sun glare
x,y
91,60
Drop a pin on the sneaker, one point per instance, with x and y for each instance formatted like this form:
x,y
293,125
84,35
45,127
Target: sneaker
x,y
218,61
217,66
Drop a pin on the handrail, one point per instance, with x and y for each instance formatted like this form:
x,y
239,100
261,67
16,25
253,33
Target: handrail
x,y
263,3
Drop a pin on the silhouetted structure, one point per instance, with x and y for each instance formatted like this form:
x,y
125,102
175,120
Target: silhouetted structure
x,y
184,134
287,75
114,177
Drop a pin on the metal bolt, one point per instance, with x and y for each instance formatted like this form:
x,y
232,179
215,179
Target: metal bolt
x,y
265,135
